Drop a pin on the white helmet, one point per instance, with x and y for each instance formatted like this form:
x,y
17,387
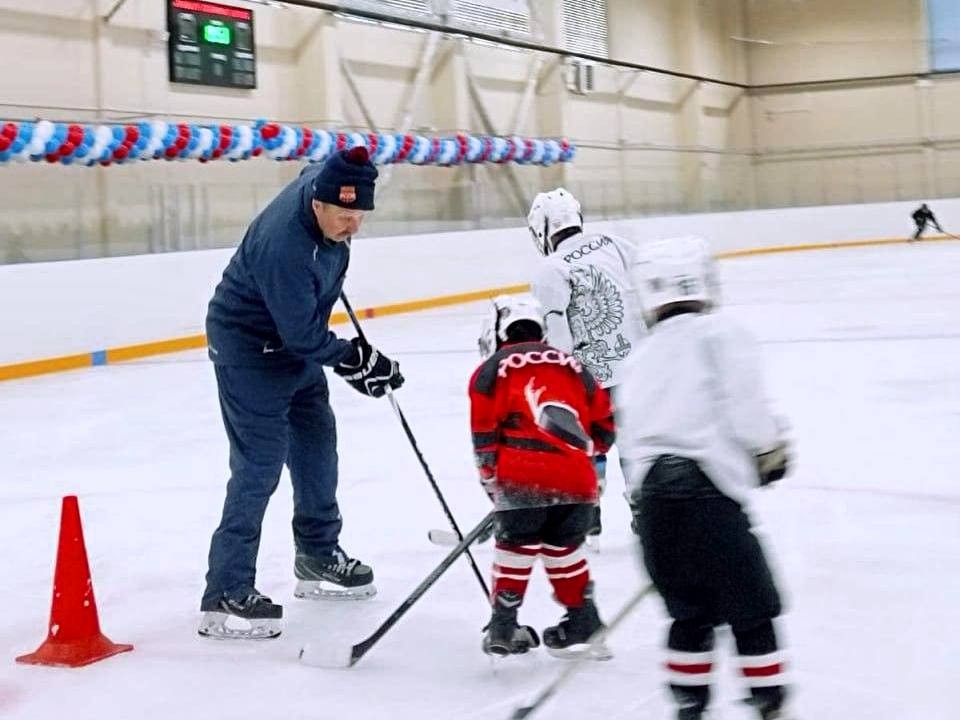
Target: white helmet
x,y
550,213
673,270
505,311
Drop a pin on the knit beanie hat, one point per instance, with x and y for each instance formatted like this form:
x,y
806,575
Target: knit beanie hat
x,y
346,179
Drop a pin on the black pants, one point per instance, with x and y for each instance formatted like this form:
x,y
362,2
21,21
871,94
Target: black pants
x,y
560,525
699,551
710,570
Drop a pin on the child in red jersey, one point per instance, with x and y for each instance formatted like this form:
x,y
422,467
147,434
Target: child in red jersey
x,y
538,417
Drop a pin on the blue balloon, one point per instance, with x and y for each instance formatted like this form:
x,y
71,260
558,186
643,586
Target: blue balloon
x,y
5,155
17,146
119,133
67,159
26,132
82,151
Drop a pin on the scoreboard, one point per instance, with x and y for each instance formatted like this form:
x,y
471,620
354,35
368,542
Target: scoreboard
x,y
211,44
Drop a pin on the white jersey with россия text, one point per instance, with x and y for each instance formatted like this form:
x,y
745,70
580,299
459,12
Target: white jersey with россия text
x,y
584,288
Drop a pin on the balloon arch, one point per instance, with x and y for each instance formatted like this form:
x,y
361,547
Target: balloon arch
x,y
108,144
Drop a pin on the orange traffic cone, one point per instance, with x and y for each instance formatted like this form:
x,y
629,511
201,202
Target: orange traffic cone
x,y
74,638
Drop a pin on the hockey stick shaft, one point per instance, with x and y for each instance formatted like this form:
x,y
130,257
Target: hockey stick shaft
x,y
361,648
416,449
525,711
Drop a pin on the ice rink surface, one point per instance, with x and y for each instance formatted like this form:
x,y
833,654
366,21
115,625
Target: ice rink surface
x,y
862,350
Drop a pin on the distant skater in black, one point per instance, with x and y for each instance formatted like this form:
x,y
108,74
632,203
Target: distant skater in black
x,y
922,216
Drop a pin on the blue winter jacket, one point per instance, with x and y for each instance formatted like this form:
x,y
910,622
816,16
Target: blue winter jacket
x,y
273,305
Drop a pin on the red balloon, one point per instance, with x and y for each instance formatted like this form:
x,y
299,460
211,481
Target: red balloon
x,y
171,152
226,130
67,148
52,157
224,143
269,131
121,152
105,163
183,130
9,130
5,143
217,153
132,134
341,141
256,151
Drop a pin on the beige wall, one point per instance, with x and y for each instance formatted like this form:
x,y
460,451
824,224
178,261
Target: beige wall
x,y
841,142
822,39
649,143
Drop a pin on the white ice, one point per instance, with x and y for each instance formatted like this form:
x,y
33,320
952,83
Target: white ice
x,y
863,354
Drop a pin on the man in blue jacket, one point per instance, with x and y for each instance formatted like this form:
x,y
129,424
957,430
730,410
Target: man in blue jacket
x,y
269,340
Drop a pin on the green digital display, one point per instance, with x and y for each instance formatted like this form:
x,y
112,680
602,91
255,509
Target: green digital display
x,y
217,34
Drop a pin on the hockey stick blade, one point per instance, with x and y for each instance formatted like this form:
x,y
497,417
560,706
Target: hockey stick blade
x,y
576,664
446,538
328,656
348,656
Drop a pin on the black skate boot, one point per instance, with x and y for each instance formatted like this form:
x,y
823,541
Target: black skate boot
x,y
571,636
503,635
255,617
336,577
769,702
691,701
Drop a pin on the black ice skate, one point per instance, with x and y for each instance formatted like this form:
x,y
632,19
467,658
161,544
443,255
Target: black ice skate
x,y
571,636
691,701
769,702
256,617
503,635
333,577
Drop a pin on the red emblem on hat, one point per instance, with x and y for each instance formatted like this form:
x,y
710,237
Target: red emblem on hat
x,y
348,194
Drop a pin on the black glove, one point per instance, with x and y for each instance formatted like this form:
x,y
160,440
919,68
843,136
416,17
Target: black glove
x,y
773,465
369,371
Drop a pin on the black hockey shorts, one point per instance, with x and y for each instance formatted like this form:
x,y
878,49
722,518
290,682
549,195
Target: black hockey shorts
x,y
699,550
559,525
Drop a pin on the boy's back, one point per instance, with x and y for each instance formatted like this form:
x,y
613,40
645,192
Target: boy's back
x,y
693,390
509,392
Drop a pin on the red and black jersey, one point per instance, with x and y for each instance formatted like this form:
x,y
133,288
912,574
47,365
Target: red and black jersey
x,y
533,467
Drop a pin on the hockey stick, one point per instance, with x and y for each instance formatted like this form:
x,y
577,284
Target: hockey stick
x,y
596,641
326,655
416,450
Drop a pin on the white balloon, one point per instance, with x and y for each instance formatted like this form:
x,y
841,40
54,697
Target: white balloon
x,y
42,132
